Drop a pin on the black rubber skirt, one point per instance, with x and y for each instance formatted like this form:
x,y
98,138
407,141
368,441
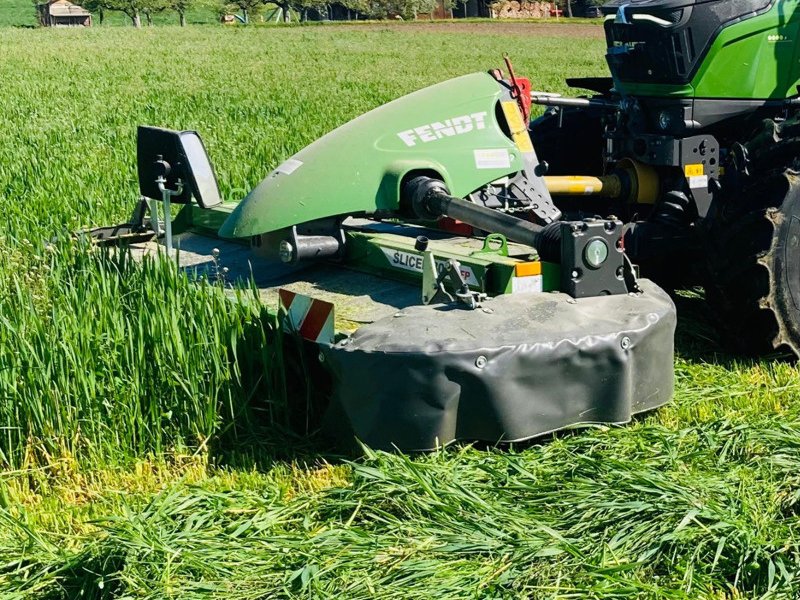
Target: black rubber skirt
x,y
521,366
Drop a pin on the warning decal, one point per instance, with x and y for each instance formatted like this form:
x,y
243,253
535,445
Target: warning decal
x,y
492,159
310,318
698,182
696,170
527,285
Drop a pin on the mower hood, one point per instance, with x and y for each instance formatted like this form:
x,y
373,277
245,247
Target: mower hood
x,y
450,130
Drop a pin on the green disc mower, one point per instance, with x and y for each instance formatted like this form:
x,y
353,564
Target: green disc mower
x,y
422,273
446,269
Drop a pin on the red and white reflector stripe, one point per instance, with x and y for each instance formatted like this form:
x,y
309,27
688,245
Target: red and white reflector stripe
x,y
311,319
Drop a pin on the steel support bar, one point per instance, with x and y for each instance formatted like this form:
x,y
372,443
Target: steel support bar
x,y
609,186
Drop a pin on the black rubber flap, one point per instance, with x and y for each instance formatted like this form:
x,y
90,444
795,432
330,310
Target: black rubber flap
x,y
521,366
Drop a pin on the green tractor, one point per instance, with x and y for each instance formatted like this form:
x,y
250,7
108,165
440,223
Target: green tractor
x,y
701,111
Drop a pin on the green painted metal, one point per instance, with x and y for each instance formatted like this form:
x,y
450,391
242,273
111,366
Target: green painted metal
x,y
758,58
359,167
394,257
488,268
202,220
493,244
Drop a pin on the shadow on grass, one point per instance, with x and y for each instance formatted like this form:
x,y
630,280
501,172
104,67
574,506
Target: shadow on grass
x,y
89,575
279,406
700,339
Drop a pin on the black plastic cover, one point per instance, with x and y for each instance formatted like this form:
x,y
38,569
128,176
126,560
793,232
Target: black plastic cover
x,y
521,366
189,162
665,41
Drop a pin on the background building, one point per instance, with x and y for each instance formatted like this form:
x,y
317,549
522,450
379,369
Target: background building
x,y
62,13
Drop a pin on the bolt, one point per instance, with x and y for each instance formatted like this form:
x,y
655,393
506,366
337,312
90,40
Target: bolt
x,y
625,343
481,362
286,251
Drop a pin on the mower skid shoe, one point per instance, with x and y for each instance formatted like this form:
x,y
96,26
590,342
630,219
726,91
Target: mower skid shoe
x,y
522,366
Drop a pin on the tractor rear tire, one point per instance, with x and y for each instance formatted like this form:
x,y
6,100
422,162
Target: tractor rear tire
x,y
754,264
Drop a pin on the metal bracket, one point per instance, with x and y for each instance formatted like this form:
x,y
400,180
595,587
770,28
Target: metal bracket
x,y
312,241
435,288
541,205
166,196
134,231
494,244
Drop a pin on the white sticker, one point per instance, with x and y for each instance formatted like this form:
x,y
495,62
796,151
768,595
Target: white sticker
x,y
408,261
701,181
492,159
289,166
527,285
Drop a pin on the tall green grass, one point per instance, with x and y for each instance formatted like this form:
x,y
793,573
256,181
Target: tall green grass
x,y
104,358
134,458
648,512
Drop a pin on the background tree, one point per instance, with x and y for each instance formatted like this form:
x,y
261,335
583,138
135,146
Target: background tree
x,y
286,7
152,7
247,7
371,8
460,5
98,7
304,7
133,8
180,7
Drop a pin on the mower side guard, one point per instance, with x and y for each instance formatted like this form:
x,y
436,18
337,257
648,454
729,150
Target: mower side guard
x,y
173,167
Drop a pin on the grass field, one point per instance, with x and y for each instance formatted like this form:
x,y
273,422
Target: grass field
x,y
140,459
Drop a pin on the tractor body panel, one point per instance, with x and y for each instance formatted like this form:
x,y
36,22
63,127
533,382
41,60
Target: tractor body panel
x,y
723,49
